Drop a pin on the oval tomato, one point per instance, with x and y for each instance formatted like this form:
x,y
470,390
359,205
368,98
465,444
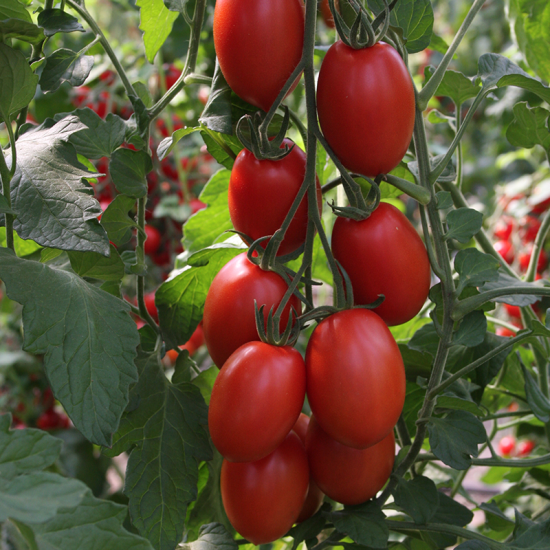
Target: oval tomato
x,y
355,377
315,496
345,474
365,101
384,255
261,193
262,499
229,320
258,43
256,400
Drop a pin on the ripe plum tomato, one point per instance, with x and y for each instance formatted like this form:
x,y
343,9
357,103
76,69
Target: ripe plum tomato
x,y
262,499
355,377
153,241
384,255
315,496
345,474
261,193
256,400
365,101
258,44
507,445
229,319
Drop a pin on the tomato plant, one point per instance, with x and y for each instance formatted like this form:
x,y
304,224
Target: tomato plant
x,y
263,498
256,400
370,136
258,45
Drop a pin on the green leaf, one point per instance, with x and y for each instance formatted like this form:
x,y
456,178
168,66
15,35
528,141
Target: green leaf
x,y
206,226
167,437
212,536
463,224
117,223
363,523
419,498
128,170
222,147
496,519
167,144
529,127
65,65
425,339
539,403
475,268
17,82
56,20
310,528
217,112
143,93
505,281
22,248
21,30
473,545
100,137
156,23
171,206
94,523
55,208
5,207
36,497
454,438
414,17
497,71
457,86
452,512
88,339
438,44
414,398
472,329
444,200
205,382
180,299
456,403
529,19
25,451
96,266
13,9
530,535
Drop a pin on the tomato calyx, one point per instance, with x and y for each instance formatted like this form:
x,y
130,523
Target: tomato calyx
x,y
257,141
270,333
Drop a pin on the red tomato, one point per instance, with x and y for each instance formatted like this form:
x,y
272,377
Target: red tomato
x,y
196,340
525,447
507,445
524,258
384,255
52,420
196,205
171,75
528,228
151,306
327,14
365,101
261,193
354,370
504,227
506,250
229,320
503,331
345,474
315,496
262,499
153,240
513,311
256,399
258,43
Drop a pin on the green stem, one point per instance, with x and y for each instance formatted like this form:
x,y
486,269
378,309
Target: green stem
x,y
459,160
190,61
195,78
6,176
418,193
431,86
475,364
499,462
538,245
429,244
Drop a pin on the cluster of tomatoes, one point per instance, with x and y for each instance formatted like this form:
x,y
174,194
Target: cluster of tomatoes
x,y
278,462
515,232
509,446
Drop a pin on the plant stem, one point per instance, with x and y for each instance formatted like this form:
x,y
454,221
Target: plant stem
x,y
538,245
418,193
6,176
431,86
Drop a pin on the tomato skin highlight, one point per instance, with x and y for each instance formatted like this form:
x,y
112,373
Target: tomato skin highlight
x,y
256,400
366,107
384,255
229,320
262,499
261,193
258,43
348,475
355,377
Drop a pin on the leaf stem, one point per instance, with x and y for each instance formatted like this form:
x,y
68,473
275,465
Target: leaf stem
x,y
6,176
417,192
538,245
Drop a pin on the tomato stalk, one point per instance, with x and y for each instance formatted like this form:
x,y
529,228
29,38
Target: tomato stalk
x,y
538,246
6,175
417,192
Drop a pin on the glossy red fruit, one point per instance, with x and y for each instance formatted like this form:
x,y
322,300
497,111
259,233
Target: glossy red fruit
x,y
154,239
366,107
327,14
503,228
506,250
256,400
261,193
150,305
345,474
528,228
513,311
525,447
503,331
171,75
524,257
507,445
355,377
262,499
384,255
315,496
229,320
258,43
